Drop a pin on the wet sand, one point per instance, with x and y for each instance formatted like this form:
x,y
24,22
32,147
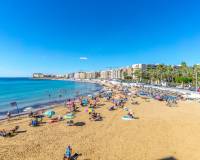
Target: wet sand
x,y
159,132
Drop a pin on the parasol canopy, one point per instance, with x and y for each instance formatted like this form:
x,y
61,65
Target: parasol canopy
x,y
49,113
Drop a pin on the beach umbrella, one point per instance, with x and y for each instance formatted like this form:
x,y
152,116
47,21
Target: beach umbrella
x,y
49,113
84,102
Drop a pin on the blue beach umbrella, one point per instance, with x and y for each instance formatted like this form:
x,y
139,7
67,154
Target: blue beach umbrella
x,y
84,102
49,113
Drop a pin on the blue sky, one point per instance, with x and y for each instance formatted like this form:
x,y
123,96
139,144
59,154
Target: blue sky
x,y
51,36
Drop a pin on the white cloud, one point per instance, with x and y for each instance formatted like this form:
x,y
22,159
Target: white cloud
x,y
83,58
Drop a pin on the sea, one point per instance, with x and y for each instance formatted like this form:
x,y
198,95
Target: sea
x,y
34,93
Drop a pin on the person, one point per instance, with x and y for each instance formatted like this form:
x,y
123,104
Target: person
x,y
65,103
30,114
3,133
95,102
73,106
111,108
8,115
68,152
130,114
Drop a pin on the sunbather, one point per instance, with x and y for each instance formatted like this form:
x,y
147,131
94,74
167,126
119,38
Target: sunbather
x,y
56,119
95,117
130,114
70,123
111,108
14,129
135,102
9,133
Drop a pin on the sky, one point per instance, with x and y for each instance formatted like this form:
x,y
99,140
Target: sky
x,y
61,36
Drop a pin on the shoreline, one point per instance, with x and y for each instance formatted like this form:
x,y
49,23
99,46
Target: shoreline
x,y
47,105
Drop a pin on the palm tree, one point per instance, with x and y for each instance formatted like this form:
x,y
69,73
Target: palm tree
x,y
152,75
163,73
125,74
138,73
160,69
168,74
196,71
183,69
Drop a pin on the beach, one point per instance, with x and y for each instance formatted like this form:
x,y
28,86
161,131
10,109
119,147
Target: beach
x,y
99,80
157,132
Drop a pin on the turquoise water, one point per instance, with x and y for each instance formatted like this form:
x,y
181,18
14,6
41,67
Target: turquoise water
x,y
27,92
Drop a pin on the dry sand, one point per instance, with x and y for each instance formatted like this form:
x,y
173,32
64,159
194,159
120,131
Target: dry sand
x,y
158,132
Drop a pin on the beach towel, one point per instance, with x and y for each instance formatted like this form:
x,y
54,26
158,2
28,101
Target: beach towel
x,y
127,118
126,109
69,116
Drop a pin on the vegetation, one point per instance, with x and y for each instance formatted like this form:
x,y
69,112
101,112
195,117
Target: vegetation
x,y
183,75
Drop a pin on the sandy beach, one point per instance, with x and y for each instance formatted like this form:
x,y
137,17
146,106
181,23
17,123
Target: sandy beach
x,y
99,80
158,132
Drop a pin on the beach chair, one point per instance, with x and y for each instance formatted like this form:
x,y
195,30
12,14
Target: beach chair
x,y
75,156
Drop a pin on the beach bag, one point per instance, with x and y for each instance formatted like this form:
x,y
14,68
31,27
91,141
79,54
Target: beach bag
x,y
34,123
